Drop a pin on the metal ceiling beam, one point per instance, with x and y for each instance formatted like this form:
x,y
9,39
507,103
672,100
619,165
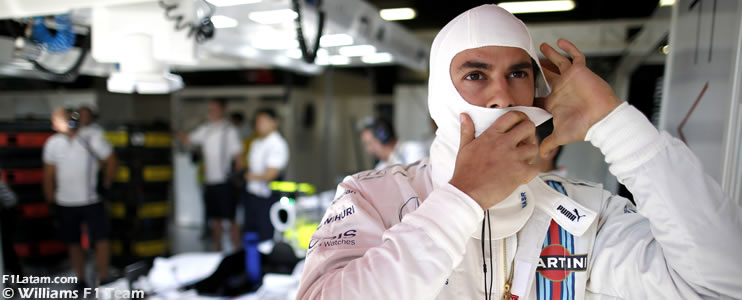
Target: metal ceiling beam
x,y
641,48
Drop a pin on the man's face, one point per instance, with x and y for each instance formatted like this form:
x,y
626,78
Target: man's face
x,y
494,76
370,143
264,124
86,116
214,111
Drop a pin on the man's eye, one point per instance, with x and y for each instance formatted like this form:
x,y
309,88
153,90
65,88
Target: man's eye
x,y
518,74
474,76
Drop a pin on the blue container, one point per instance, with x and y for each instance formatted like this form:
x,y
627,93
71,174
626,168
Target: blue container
x,y
252,257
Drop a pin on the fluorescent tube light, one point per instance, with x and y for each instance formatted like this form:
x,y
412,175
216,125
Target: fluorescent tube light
x,y
223,21
333,40
223,3
358,50
377,58
397,14
525,7
270,17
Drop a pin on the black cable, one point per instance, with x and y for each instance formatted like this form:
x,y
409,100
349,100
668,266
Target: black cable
x,y
305,53
71,73
484,261
492,274
203,30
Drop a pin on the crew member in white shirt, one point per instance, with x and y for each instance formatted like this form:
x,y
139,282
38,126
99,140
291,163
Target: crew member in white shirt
x,y
71,164
220,147
267,160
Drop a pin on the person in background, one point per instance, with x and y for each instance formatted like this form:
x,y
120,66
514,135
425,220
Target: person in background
x,y
380,141
87,118
71,163
220,146
8,201
267,160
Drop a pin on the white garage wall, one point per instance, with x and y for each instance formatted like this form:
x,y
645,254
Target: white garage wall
x,y
705,48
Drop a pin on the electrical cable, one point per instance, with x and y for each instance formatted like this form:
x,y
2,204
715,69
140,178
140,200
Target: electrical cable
x,y
308,56
202,31
73,71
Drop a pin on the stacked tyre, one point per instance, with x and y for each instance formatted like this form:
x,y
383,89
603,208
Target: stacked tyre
x,y
140,198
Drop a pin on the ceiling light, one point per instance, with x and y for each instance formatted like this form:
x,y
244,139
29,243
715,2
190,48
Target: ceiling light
x,y
377,58
359,50
270,17
525,7
223,21
339,60
396,14
665,49
223,3
333,40
667,2
274,43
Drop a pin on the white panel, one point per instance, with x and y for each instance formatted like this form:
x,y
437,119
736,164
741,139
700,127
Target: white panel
x,y
189,207
703,45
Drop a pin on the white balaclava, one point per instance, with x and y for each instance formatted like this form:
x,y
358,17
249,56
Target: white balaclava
x,y
486,25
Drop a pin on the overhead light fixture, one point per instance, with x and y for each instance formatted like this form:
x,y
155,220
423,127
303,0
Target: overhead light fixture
x,y
274,43
223,3
665,49
270,17
339,60
667,2
525,7
358,50
397,14
377,58
220,21
334,40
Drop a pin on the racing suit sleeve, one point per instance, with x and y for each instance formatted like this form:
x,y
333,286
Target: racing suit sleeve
x,y
355,255
683,240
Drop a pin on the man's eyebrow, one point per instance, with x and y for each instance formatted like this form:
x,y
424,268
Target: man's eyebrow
x,y
521,66
475,65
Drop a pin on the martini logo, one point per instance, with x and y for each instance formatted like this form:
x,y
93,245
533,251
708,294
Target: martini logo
x,y
556,263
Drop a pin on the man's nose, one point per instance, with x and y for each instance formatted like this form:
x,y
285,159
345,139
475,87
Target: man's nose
x,y
498,95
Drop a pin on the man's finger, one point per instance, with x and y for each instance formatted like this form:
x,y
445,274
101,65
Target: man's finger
x,y
547,65
571,49
524,132
548,144
555,57
551,77
507,121
467,130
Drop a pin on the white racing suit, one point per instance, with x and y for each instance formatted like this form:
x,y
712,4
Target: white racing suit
x,y
390,235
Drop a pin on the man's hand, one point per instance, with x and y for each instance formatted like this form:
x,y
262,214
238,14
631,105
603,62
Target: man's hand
x,y
579,98
491,166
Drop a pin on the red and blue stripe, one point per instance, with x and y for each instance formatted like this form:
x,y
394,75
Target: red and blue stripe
x,y
547,289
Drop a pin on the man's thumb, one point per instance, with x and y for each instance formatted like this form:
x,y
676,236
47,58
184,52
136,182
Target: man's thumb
x,y
547,145
467,130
